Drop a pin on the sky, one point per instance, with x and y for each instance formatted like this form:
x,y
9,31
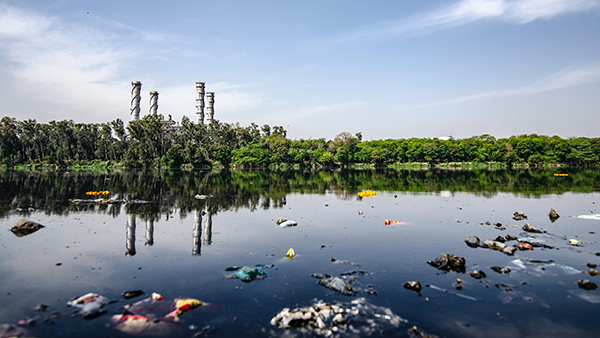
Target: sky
x,y
386,69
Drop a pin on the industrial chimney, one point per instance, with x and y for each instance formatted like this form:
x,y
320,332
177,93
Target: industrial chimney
x,y
199,102
136,87
153,102
210,109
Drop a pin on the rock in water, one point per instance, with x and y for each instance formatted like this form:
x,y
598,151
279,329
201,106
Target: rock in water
x,y
413,286
586,284
24,227
519,216
473,241
553,215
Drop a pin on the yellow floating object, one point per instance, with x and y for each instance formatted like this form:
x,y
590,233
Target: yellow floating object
x,y
561,174
95,193
290,254
573,241
367,193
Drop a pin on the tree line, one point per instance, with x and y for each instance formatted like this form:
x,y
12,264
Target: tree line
x,y
153,142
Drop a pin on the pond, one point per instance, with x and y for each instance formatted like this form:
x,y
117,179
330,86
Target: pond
x,y
175,233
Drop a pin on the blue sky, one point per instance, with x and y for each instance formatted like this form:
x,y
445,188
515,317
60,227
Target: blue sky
x,y
387,69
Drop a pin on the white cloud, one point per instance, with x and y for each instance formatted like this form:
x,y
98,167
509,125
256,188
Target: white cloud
x,y
564,79
466,11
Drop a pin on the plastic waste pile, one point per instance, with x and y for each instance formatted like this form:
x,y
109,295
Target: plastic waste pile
x,y
247,273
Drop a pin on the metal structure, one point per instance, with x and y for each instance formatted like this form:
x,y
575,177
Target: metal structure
x,y
154,102
136,88
210,109
199,102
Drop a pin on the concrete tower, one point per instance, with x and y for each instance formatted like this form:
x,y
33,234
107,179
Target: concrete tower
x,y
154,103
199,102
210,109
136,88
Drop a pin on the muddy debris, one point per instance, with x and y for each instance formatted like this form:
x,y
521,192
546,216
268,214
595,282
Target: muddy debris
x,y
448,262
334,283
519,216
523,246
592,272
500,239
586,284
132,294
529,228
477,274
553,215
591,265
413,286
41,307
501,269
473,241
24,227
510,237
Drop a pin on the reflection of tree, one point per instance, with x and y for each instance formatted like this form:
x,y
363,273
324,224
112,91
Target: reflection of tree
x,y
253,189
130,235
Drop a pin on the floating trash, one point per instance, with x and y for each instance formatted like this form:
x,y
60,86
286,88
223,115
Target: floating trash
x,y
519,216
334,283
561,175
594,217
248,273
448,262
290,254
357,318
386,222
413,286
202,197
284,223
91,304
95,193
24,227
335,260
367,193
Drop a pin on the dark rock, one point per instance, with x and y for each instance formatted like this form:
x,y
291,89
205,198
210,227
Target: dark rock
x,y
519,216
510,237
553,215
24,227
586,284
132,294
449,262
413,286
501,269
414,332
500,239
41,307
477,274
527,227
591,265
473,241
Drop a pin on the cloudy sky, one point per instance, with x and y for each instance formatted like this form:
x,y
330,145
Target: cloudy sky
x,y
388,69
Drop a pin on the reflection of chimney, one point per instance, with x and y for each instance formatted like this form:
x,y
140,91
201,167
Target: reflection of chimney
x,y
136,87
130,245
199,102
207,229
154,103
197,233
150,232
210,109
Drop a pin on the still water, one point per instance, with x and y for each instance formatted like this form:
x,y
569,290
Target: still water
x,y
179,246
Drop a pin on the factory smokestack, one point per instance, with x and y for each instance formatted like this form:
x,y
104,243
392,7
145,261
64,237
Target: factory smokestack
x,y
154,103
199,102
136,87
210,109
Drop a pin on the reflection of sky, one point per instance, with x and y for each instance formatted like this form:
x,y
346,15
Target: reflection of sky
x,y
92,247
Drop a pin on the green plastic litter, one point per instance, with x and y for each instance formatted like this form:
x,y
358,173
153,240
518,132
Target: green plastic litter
x,y
248,273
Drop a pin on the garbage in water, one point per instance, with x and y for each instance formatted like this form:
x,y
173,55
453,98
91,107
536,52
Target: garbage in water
x,y
415,332
413,286
499,246
357,318
594,216
367,193
523,246
519,216
9,331
284,223
477,274
586,284
451,292
182,305
563,175
24,227
573,242
202,197
448,262
334,283
501,269
95,193
553,215
91,304
335,260
473,241
132,294
592,272
386,222
529,228
510,237
290,254
247,273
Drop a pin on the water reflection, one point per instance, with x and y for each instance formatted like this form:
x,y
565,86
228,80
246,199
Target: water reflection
x,y
197,233
150,232
130,235
253,189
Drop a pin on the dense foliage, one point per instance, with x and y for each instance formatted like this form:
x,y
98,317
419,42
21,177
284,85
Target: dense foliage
x,y
153,142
